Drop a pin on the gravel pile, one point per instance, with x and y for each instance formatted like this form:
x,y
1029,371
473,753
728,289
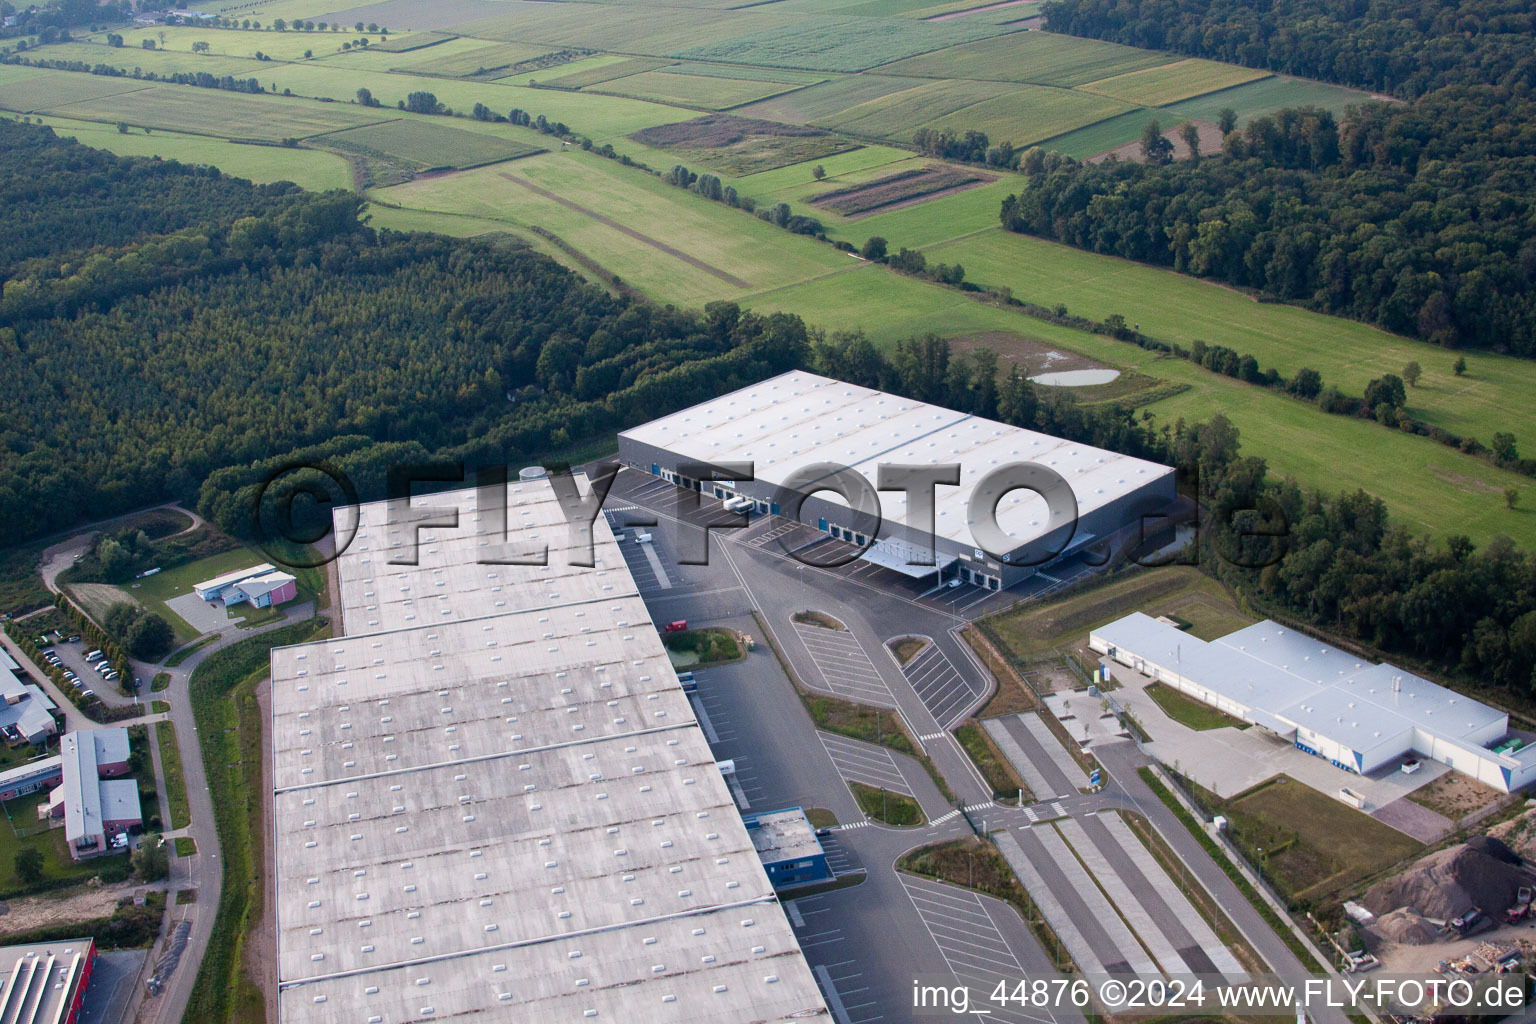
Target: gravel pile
x,y
1449,882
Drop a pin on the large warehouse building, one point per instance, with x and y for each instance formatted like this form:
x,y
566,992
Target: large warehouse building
x,y
797,420
493,799
1326,701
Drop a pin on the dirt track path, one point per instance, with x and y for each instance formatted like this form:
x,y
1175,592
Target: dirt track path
x,y
699,264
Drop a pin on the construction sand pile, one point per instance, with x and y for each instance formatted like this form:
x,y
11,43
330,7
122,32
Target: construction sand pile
x,y
1450,882
1406,927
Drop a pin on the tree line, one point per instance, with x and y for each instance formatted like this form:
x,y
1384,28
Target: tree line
x,y
1416,218
1403,48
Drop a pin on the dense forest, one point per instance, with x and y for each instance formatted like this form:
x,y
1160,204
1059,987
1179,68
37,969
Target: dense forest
x,y
137,370
60,196
1418,216
1388,46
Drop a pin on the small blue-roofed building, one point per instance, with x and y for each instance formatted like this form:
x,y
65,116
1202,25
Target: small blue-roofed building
x,y
786,843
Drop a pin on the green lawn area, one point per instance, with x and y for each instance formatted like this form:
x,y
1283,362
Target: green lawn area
x,y
1176,307
21,817
186,846
1190,712
1308,843
182,655
153,591
888,807
161,681
175,777
425,144
994,767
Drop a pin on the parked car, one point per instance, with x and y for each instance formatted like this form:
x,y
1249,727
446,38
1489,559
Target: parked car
x,y
72,639
87,694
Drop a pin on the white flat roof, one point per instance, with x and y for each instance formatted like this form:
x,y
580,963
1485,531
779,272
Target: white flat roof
x,y
120,800
510,805
81,786
234,577
799,419
1309,683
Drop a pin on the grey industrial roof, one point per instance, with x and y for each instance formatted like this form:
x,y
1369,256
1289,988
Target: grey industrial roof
x,y
510,805
41,767
80,783
235,576
799,419
784,835
29,715
1309,683
38,982
452,579
264,583
120,800
111,745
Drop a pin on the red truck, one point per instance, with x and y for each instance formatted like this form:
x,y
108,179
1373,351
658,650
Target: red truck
x,y
1522,906
675,627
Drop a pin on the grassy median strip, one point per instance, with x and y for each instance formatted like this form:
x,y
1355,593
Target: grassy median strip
x,y
175,777
229,723
994,767
886,806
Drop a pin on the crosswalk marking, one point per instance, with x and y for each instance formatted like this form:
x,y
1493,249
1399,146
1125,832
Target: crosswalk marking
x,y
854,824
1058,810
941,819
979,807
930,737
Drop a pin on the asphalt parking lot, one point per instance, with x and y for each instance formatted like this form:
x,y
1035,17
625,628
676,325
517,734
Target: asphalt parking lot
x,y
940,686
844,665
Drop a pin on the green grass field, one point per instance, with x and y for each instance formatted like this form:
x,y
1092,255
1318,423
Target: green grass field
x,y
216,113
412,41
897,115
829,99
1106,135
691,90
1189,712
1039,57
21,817
475,61
837,44
223,42
308,168
731,241
31,90
1310,842
161,62
1038,630
590,71
1447,492
1267,96
425,144
1159,86
741,72
1032,113
1175,307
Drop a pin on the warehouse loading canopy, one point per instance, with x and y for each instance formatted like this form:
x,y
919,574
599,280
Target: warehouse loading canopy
x,y
1265,720
890,557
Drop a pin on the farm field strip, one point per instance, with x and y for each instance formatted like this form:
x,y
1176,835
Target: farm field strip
x,y
308,168
1030,115
425,145
485,58
594,70
222,114
691,90
1169,83
1042,58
